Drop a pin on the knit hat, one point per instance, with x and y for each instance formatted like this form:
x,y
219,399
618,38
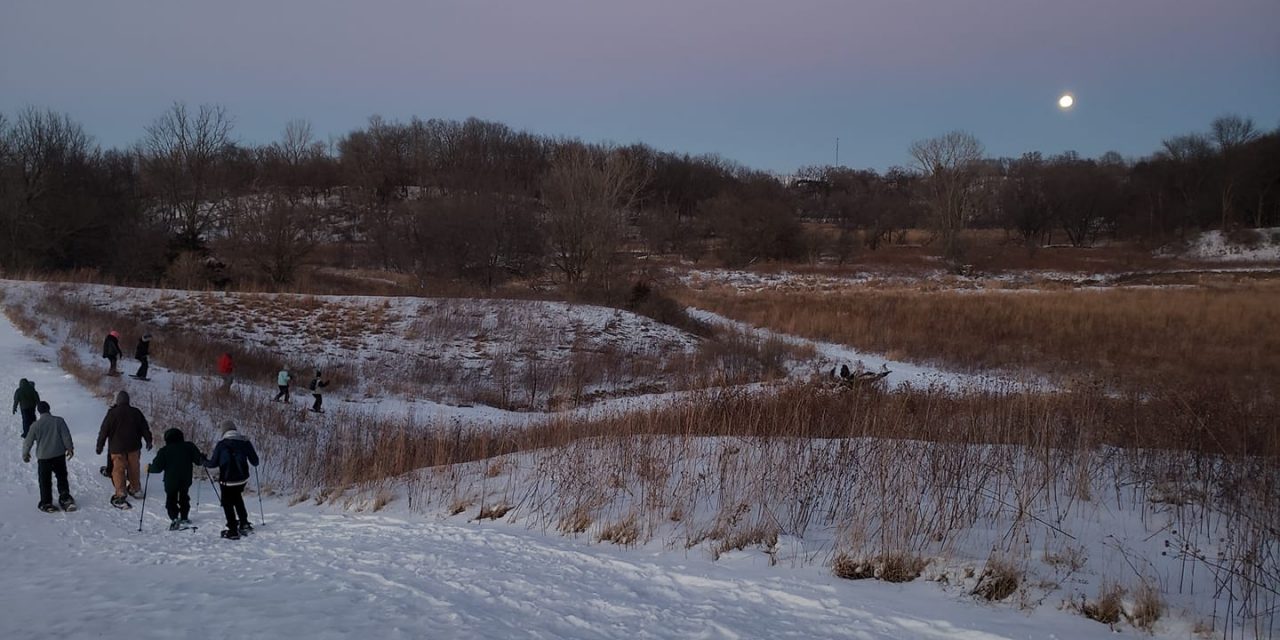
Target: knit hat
x,y
227,425
115,334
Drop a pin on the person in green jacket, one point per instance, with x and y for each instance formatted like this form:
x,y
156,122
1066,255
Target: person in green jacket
x,y
175,459
26,398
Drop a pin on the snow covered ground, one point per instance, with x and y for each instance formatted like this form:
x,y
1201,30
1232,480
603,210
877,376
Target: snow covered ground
x,y
1216,246
317,572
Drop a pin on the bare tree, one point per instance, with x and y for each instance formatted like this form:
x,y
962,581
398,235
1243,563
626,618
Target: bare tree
x,y
1191,156
950,164
588,192
1231,133
180,159
43,182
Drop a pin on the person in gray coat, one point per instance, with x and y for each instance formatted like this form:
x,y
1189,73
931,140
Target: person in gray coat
x,y
53,448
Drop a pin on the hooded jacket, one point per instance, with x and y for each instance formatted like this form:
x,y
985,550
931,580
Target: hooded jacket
x,y
26,396
232,456
124,427
175,459
225,365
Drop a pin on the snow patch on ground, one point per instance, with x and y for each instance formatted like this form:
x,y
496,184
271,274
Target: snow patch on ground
x,y
1262,245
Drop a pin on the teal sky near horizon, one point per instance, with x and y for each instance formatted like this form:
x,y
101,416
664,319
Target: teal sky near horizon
x,y
768,84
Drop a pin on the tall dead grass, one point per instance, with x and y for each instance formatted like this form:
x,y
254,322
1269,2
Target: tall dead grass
x,y
1124,338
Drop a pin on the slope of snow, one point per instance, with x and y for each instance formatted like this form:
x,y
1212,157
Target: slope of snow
x,y
319,573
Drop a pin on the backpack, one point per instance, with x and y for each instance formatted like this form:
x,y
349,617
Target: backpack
x,y
313,383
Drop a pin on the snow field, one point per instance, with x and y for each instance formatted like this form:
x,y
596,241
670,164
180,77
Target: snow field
x,y
318,572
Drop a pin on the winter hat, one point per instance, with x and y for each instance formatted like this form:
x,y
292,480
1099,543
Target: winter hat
x,y
227,425
115,334
122,398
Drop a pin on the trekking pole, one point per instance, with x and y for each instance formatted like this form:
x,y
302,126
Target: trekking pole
x,y
215,487
143,510
262,518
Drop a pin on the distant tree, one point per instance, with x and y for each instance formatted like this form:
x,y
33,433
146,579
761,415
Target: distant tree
x,y
1023,201
1190,157
950,164
182,158
754,221
1231,134
1083,195
482,239
587,192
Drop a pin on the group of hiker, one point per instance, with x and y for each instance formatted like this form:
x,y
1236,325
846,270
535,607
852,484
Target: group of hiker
x,y
123,434
225,366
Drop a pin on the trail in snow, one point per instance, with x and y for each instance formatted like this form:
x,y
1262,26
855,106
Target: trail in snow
x,y
901,373
319,573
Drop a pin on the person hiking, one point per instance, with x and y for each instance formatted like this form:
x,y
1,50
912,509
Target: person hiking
x,y
231,457
53,448
282,381
317,384
142,353
126,429
175,459
226,367
26,398
111,351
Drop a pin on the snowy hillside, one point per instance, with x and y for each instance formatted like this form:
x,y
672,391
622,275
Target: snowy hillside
x,y
1249,245
319,572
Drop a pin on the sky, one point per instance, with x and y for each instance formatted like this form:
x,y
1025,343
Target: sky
x,y
769,84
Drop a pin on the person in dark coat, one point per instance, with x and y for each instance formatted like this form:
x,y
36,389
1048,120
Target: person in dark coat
x,y
231,457
175,459
126,429
53,444
26,398
142,353
111,351
317,386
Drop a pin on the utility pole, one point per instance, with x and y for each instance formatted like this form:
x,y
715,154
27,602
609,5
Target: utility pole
x,y
837,151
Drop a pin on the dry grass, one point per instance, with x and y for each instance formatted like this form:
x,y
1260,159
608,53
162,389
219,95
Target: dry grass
x,y
1148,607
894,567
1108,607
999,579
1126,338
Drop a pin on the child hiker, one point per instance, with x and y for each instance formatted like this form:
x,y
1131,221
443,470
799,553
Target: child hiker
x,y
175,459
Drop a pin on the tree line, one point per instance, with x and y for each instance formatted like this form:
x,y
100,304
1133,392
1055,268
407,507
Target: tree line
x,y
189,204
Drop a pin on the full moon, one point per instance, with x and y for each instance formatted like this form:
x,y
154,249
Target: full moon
x,y
1066,101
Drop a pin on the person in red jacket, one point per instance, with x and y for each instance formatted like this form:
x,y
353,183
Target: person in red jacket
x,y
225,368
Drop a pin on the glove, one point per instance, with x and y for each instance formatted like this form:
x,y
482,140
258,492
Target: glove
x,y
98,451
26,457
71,454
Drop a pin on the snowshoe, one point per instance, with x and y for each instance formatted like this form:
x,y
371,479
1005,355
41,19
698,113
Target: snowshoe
x,y
120,502
136,495
184,522
104,472
48,508
245,528
140,378
115,374
175,524
68,505
231,534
